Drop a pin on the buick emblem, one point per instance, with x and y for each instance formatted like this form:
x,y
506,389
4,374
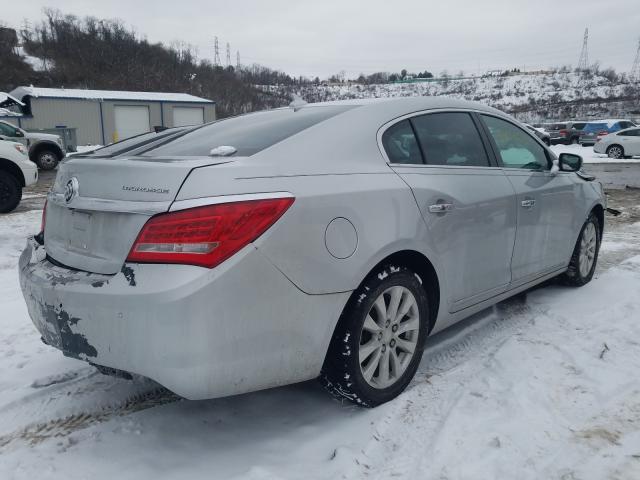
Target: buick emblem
x,y
71,190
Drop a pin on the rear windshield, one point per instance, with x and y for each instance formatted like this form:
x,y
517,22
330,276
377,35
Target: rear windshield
x,y
558,126
592,127
579,126
248,134
136,142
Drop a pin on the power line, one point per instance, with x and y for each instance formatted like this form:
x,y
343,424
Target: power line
x,y
583,63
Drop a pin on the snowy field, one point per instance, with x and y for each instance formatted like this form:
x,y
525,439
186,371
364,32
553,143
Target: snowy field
x,y
544,386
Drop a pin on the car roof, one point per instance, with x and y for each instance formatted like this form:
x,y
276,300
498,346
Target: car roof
x,y
392,107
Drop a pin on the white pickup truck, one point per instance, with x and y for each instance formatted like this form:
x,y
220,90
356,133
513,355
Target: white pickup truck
x,y
16,172
44,149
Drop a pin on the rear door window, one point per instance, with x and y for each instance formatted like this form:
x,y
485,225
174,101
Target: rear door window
x,y
401,145
450,139
516,148
630,133
248,134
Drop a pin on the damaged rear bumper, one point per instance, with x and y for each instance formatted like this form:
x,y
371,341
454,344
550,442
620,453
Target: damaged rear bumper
x,y
201,333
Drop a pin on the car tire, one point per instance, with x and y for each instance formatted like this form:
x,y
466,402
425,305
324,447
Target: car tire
x,y
547,142
615,151
10,192
585,254
574,141
47,159
366,338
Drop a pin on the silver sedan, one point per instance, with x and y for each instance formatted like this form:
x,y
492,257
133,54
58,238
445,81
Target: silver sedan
x,y
321,240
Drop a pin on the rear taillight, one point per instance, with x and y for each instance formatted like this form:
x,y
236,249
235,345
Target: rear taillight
x,y
43,222
602,133
564,133
205,236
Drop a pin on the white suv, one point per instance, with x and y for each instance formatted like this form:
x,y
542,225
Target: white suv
x,y
16,172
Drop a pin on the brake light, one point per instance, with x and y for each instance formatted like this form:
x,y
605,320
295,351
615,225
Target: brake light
x,y
205,236
564,133
43,222
602,133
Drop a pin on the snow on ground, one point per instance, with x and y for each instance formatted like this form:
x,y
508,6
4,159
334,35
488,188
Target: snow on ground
x,y
545,385
589,156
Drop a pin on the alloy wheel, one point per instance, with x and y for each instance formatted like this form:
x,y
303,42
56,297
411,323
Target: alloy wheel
x,y
588,246
389,337
615,152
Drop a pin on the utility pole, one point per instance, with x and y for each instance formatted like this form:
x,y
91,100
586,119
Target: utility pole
x,y
228,55
583,63
634,76
216,52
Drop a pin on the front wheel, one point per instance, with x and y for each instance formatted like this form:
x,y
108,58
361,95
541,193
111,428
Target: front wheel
x,y
10,192
47,160
377,345
585,254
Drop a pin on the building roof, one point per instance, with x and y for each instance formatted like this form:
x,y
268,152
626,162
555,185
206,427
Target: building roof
x,y
78,93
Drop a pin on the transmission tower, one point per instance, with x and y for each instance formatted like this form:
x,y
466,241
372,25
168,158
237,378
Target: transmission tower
x,y
635,70
238,60
228,55
583,63
216,52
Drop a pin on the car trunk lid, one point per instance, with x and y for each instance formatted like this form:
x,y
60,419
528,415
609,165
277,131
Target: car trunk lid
x,y
97,206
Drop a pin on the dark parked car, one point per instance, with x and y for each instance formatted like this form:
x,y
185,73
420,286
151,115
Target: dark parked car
x,y
565,132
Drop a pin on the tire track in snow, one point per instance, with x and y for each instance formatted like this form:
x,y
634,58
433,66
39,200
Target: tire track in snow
x,y
429,401
62,427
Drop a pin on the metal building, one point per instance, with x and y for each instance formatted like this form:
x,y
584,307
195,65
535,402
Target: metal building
x,y
101,117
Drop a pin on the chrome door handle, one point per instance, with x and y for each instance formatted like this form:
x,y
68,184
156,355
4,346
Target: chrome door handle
x,y
441,207
528,203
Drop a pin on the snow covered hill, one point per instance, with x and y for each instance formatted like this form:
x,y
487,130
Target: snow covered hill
x,y
539,96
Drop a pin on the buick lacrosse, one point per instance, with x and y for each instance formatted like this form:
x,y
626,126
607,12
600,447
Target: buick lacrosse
x,y
321,240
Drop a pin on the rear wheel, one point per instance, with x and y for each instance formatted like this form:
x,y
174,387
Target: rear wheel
x,y
10,192
377,345
574,140
47,159
585,254
615,151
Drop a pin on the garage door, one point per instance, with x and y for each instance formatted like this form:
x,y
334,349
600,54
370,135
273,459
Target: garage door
x,y
131,120
187,116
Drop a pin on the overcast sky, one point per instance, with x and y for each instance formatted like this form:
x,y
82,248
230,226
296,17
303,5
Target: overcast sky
x,y
322,37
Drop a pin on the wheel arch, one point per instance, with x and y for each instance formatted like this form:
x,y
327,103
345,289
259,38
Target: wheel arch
x,y
45,145
610,146
598,210
420,265
11,168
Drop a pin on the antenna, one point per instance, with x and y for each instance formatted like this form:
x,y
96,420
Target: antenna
x,y
635,70
583,63
228,55
216,52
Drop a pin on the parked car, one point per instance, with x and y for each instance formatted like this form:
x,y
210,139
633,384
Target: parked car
x,y
566,133
45,149
593,131
16,172
622,144
326,240
541,133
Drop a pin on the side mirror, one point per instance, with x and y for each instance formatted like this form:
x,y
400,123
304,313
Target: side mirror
x,y
570,162
19,133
